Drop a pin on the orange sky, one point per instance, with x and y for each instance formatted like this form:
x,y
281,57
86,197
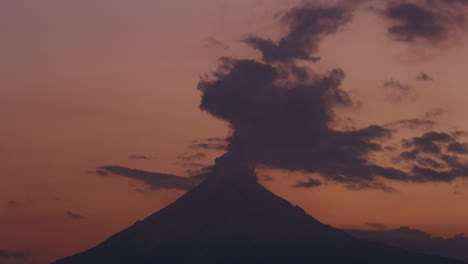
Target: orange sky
x,y
88,83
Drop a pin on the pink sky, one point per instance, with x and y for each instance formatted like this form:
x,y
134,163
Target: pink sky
x,y
89,83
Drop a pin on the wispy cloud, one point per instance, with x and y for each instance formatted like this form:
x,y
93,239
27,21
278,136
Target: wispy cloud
x,y
74,216
155,180
12,255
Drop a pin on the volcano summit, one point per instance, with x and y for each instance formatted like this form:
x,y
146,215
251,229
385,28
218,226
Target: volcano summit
x,y
230,218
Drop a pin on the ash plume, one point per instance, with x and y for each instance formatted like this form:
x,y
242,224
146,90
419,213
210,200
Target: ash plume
x,y
281,112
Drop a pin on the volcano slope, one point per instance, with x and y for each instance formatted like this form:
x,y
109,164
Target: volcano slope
x,y
231,218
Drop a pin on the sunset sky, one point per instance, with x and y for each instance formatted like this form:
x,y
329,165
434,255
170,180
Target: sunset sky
x,y
86,84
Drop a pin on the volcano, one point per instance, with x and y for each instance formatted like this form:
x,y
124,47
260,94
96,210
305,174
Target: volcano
x,y
230,218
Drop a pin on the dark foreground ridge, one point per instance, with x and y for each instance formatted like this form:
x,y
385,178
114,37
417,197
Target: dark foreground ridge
x,y
236,220
418,241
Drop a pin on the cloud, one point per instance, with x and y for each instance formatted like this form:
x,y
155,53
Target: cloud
x,y
429,142
74,216
434,112
431,21
457,147
310,183
429,162
155,180
102,172
307,26
365,185
413,123
396,85
218,144
191,157
215,139
422,76
138,157
13,204
12,255
435,157
418,241
458,134
211,42
377,226
205,170
194,165
414,22
209,146
397,91
281,118
282,112
390,148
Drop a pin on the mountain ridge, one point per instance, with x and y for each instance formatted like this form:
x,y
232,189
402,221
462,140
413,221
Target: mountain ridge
x,y
228,219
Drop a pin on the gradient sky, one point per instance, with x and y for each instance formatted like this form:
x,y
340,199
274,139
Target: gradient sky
x,y
89,83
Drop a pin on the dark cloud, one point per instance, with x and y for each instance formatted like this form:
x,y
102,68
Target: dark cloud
x,y
192,160
138,157
409,155
307,25
434,112
397,92
310,183
396,85
281,116
414,123
422,76
390,148
13,204
198,150
209,145
102,172
429,142
12,255
434,137
435,157
431,20
74,216
366,185
211,42
457,134
415,21
377,226
282,113
206,170
457,147
452,161
156,180
214,139
194,165
418,241
432,175
464,2
191,157
431,163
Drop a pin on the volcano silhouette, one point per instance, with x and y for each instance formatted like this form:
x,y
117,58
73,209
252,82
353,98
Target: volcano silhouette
x,y
230,218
